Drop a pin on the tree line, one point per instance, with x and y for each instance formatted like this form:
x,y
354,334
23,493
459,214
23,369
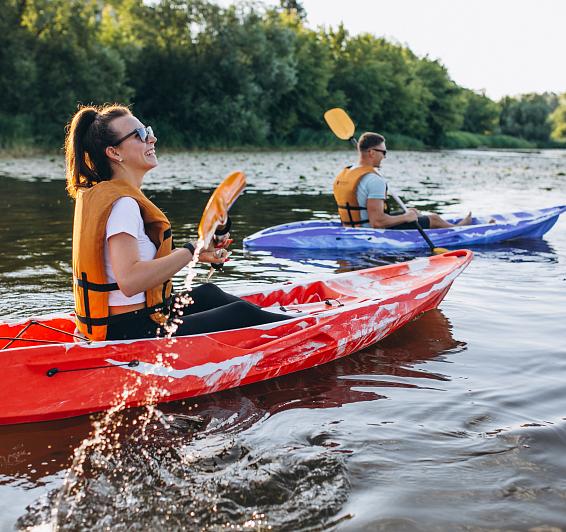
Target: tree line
x,y
246,75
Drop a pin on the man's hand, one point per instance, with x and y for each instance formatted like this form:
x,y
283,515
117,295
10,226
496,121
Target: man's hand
x,y
412,215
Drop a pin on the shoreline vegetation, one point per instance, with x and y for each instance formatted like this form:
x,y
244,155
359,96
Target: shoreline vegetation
x,y
244,77
455,140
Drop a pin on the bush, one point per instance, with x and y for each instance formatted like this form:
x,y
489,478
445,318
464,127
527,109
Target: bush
x,y
15,131
506,141
459,140
397,141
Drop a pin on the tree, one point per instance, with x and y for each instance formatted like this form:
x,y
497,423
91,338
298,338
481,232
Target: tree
x,y
528,116
442,101
300,109
293,7
558,120
481,114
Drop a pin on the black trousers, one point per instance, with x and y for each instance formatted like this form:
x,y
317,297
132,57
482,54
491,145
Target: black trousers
x,y
213,310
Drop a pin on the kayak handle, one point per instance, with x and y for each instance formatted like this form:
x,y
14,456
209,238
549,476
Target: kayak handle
x,y
54,371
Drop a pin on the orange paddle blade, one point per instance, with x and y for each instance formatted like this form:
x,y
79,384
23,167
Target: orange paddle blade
x,y
216,210
340,123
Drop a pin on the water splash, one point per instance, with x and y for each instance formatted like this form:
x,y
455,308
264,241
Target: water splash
x,y
179,472
183,299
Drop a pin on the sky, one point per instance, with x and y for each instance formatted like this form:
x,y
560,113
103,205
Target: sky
x,y
504,47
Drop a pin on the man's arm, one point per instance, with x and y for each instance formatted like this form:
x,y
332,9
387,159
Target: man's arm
x,y
379,219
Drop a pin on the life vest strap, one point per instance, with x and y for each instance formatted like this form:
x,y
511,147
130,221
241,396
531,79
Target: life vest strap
x,y
96,287
353,224
349,208
100,322
96,322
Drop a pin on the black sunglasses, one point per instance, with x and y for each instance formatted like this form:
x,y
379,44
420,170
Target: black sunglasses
x,y
142,132
377,149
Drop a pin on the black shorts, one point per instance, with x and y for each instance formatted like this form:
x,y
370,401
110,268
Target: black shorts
x,y
424,222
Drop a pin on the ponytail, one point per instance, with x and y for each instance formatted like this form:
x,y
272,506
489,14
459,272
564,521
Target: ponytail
x,y
87,137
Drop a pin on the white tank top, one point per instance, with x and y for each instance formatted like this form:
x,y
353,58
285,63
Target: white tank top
x,y
125,217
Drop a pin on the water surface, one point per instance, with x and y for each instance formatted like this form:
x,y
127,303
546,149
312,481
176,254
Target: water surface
x,y
455,422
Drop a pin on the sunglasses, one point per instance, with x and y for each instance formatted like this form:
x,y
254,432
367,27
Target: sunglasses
x,y
377,149
142,132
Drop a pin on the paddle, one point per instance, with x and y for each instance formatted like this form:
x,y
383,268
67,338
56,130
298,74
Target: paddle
x,y
342,126
216,211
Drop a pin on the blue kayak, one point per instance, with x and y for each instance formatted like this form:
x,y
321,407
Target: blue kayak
x,y
326,234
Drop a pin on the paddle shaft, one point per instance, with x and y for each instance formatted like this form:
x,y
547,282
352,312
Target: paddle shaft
x,y
417,224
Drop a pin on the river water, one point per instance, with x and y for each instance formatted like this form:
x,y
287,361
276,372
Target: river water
x,y
455,422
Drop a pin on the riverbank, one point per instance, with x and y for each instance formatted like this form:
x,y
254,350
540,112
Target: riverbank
x,y
455,140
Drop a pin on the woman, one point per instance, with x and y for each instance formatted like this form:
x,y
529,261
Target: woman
x,y
123,257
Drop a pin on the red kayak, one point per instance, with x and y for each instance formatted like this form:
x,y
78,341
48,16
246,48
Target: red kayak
x,y
50,374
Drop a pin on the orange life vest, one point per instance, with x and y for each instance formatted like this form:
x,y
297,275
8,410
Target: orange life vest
x,y
90,284
345,193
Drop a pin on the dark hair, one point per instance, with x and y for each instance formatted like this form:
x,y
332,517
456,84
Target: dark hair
x,y
370,140
87,137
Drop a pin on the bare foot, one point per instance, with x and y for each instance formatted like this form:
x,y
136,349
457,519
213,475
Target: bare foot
x,y
467,220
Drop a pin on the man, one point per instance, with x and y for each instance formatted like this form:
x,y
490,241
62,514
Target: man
x,y
361,193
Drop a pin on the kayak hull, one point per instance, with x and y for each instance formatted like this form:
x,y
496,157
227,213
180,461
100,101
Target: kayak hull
x,y
323,234
333,317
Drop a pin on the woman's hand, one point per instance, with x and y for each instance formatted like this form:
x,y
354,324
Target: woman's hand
x,y
223,241
214,255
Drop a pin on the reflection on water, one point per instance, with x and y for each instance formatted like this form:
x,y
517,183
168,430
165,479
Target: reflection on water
x,y
455,422
203,453
537,250
36,450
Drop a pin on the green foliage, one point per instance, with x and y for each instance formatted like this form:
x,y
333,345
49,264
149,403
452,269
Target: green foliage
x,y
442,102
398,141
208,76
301,107
465,140
481,114
528,116
558,120
15,131
293,8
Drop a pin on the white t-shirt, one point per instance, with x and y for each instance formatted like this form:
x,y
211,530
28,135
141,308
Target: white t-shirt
x,y
125,217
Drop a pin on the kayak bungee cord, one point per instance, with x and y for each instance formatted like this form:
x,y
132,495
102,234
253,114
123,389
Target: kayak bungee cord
x,y
328,302
54,371
18,337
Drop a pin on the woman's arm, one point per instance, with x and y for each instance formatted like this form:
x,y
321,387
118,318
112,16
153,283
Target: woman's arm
x,y
134,275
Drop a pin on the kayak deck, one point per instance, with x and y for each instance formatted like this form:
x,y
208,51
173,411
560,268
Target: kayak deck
x,y
324,234
330,317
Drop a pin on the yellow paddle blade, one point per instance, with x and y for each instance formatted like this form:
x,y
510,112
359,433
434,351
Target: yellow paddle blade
x,y
439,251
216,210
340,123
